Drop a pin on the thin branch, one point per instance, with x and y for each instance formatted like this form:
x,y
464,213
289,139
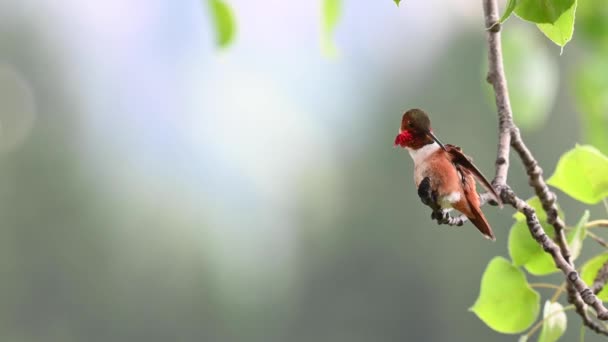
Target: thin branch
x,y
546,196
496,77
600,279
509,136
488,198
598,239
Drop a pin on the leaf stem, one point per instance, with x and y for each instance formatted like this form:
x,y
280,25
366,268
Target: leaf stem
x,y
546,286
582,334
558,292
597,223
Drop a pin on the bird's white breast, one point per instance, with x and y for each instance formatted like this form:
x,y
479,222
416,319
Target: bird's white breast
x,y
420,155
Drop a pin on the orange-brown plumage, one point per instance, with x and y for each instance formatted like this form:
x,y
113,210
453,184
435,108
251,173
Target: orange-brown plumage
x,y
451,174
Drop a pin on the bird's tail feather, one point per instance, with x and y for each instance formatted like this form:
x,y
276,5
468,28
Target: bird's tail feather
x,y
481,223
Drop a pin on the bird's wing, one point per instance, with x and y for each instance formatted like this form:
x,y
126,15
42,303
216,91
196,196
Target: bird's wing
x,y
461,160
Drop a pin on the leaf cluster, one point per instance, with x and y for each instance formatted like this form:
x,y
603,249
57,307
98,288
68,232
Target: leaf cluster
x,y
507,302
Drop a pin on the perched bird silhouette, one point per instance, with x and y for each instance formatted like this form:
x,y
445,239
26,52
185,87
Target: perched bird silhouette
x,y
444,175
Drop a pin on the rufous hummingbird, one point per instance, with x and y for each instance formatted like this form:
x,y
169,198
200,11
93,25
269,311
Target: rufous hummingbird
x,y
445,177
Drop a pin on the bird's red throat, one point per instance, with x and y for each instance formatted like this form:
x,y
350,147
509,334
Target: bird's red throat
x,y
404,139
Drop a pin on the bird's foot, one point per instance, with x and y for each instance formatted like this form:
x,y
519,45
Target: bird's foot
x,y
440,215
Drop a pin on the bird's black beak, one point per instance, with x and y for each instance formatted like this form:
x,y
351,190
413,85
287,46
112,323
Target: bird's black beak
x,y
436,140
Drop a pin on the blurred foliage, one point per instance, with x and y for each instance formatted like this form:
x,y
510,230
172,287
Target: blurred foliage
x,y
223,20
592,23
533,76
330,14
589,84
591,92
87,258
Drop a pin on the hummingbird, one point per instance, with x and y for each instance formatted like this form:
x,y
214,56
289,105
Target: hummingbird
x,y
444,175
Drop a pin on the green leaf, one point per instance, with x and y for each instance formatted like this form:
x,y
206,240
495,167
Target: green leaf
x,y
577,236
533,76
223,20
510,7
560,31
581,173
397,2
555,322
591,94
506,302
330,14
542,11
589,272
524,250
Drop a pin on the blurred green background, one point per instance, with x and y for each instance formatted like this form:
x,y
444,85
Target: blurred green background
x,y
156,188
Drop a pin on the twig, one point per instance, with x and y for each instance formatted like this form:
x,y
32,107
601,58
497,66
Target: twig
x,y
509,136
496,77
488,198
600,279
547,198
598,239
